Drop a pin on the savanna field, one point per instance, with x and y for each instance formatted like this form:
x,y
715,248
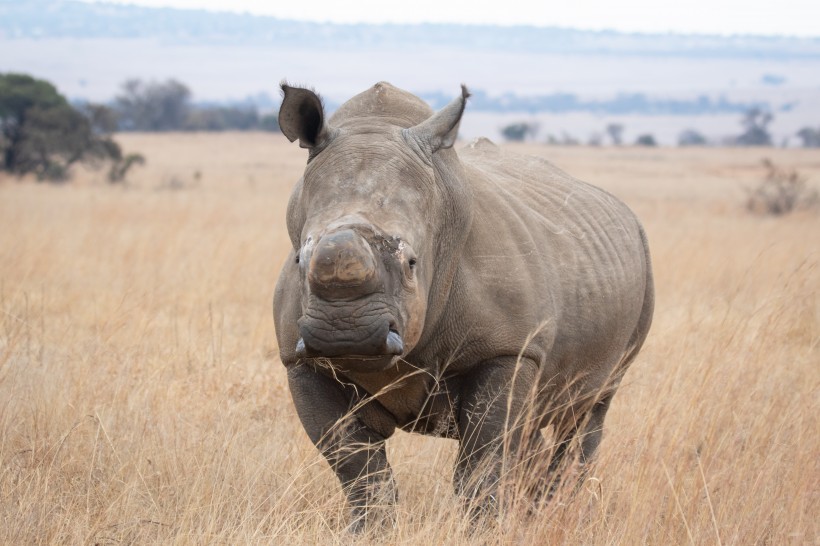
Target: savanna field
x,y
142,400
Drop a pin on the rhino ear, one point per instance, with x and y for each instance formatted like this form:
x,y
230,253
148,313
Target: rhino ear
x,y
440,130
302,116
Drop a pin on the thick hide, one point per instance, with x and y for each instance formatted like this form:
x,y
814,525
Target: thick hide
x,y
477,295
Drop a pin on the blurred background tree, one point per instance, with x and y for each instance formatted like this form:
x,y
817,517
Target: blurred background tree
x,y
517,132
167,106
42,134
756,128
615,132
691,137
810,137
153,106
646,140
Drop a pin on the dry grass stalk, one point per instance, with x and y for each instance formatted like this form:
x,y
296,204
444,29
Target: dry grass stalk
x,y
141,399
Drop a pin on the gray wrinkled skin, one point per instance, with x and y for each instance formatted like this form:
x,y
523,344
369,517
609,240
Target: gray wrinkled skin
x,y
465,295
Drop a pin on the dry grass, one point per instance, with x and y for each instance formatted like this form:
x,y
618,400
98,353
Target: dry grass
x,y
142,401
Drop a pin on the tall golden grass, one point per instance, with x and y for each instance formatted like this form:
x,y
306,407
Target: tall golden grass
x,y
142,400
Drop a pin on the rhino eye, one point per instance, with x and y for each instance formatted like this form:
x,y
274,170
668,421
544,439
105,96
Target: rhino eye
x,y
297,258
412,263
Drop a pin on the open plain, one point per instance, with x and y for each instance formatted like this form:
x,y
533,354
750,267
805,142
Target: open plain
x,y
142,399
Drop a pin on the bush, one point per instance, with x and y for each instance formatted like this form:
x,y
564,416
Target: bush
x,y
153,106
690,137
781,191
517,132
756,125
120,167
615,132
565,139
646,140
221,118
810,137
270,122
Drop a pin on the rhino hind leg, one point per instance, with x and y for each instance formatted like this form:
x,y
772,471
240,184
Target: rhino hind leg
x,y
573,443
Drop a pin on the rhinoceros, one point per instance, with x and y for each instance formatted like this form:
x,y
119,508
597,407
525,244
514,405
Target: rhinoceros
x,y
477,295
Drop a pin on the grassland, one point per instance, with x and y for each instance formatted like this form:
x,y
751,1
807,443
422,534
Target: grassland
x,y
142,400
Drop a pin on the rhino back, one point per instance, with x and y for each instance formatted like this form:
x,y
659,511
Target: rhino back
x,y
549,258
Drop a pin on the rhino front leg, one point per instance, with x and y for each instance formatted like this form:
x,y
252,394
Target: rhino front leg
x,y
354,449
495,428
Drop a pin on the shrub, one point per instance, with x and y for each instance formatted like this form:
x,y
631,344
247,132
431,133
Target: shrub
x,y
646,140
781,191
517,132
615,132
690,137
810,137
756,128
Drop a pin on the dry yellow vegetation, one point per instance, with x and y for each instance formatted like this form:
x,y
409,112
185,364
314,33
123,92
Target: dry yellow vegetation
x,y
142,400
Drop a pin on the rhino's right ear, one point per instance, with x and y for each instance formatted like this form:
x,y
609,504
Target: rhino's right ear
x,y
302,116
440,130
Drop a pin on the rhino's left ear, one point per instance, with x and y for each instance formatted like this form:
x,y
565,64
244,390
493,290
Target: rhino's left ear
x,y
440,130
302,116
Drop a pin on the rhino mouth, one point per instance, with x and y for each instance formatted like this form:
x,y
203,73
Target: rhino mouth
x,y
365,332
362,363
393,346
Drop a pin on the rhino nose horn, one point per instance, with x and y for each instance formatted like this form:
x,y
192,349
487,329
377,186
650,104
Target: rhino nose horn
x,y
342,265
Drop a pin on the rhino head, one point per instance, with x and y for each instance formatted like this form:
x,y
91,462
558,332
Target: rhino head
x,y
373,223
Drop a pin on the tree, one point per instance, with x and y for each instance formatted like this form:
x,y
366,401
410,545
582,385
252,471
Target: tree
x,y
517,132
270,122
42,133
615,132
756,128
221,118
646,140
20,93
810,137
121,166
104,119
153,106
690,137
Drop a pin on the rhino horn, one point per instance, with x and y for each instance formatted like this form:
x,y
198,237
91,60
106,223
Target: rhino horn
x,y
342,265
302,116
440,130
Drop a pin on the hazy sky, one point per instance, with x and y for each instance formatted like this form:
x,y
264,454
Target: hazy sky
x,y
790,17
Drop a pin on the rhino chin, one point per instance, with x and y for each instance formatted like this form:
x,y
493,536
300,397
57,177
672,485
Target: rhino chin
x,y
352,363
363,364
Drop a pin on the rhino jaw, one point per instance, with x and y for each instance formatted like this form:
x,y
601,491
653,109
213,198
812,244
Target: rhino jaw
x,y
393,346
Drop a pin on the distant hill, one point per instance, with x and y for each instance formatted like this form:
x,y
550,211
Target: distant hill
x,y
566,81
73,19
